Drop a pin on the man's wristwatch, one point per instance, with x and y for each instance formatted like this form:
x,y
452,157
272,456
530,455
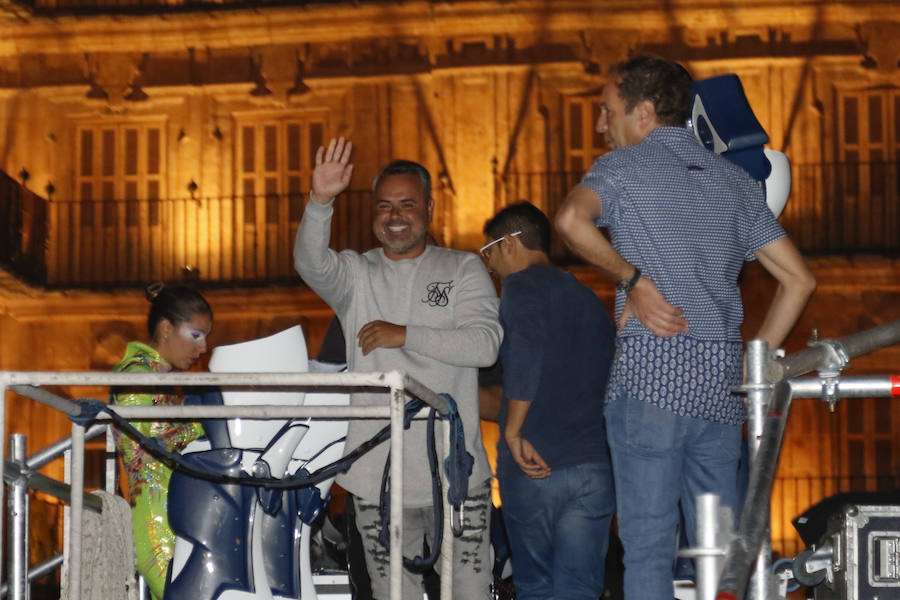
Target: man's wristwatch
x,y
627,286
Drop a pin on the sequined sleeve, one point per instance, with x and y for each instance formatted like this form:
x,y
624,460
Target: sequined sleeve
x,y
140,464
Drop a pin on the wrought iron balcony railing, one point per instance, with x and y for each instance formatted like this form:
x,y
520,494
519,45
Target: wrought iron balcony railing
x,y
23,231
246,240
833,209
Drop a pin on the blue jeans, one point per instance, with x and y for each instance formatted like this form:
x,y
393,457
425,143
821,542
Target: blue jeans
x,y
660,458
558,531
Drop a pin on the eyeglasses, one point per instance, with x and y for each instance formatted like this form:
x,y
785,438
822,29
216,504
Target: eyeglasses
x,y
484,249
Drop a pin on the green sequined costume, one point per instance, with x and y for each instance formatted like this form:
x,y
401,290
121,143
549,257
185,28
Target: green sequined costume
x,y
148,479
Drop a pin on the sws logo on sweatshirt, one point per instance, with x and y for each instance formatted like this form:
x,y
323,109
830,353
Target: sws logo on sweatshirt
x,y
437,293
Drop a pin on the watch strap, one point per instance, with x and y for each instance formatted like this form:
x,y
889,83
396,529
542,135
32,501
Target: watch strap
x,y
627,286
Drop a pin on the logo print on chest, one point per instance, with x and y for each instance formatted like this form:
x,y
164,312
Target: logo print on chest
x,y
437,293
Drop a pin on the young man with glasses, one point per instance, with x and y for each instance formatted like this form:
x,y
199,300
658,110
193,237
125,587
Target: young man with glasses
x,y
553,461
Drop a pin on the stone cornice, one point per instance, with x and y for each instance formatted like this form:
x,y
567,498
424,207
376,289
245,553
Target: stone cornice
x,y
329,23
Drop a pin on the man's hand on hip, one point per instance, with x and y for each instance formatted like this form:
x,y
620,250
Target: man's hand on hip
x,y
380,334
647,305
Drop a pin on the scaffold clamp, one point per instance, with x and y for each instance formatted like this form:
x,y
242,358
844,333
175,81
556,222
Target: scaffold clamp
x,y
830,373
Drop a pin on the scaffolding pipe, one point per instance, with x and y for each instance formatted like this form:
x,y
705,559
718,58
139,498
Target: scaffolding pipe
x,y
76,512
708,539
396,383
111,479
18,523
27,382
753,526
869,386
54,451
855,344
47,485
38,571
345,380
447,540
3,388
743,549
758,398
396,495
67,407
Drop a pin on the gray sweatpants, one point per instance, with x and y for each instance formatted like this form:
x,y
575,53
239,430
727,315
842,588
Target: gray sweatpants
x,y
471,551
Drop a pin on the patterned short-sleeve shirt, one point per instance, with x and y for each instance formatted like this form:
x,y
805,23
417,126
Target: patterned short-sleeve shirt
x,y
689,219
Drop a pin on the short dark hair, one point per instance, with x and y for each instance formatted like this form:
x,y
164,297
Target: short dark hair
x,y
177,304
524,217
666,84
406,167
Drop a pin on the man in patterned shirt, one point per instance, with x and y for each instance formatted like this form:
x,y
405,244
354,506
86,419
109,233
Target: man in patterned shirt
x,y
682,221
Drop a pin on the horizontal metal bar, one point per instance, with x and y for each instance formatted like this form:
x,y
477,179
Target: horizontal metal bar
x,y
54,451
847,387
317,380
110,378
42,483
856,344
700,552
37,571
261,411
419,390
63,405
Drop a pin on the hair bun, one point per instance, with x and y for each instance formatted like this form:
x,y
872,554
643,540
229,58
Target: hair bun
x,y
153,290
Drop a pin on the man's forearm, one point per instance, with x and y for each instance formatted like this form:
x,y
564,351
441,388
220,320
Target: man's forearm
x,y
313,236
575,222
783,313
317,264
516,411
473,346
795,286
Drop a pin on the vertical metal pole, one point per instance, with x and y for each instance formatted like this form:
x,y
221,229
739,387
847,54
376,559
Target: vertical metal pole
x,y
18,523
67,520
447,542
75,520
111,467
758,399
708,566
3,388
396,528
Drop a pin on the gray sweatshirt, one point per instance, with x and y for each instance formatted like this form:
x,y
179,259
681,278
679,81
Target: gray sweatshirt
x,y
448,304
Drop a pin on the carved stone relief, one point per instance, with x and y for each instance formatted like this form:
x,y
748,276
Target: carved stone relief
x,y
278,66
881,44
114,74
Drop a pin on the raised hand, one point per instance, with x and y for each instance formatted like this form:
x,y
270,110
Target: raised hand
x,y
647,304
333,170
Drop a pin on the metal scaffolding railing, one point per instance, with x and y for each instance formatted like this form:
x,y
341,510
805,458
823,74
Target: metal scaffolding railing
x,y
771,386
396,384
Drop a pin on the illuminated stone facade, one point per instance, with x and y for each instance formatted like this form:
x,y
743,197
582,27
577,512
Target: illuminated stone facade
x,y
149,133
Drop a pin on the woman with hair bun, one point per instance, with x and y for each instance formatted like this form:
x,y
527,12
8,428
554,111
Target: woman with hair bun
x,y
178,323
